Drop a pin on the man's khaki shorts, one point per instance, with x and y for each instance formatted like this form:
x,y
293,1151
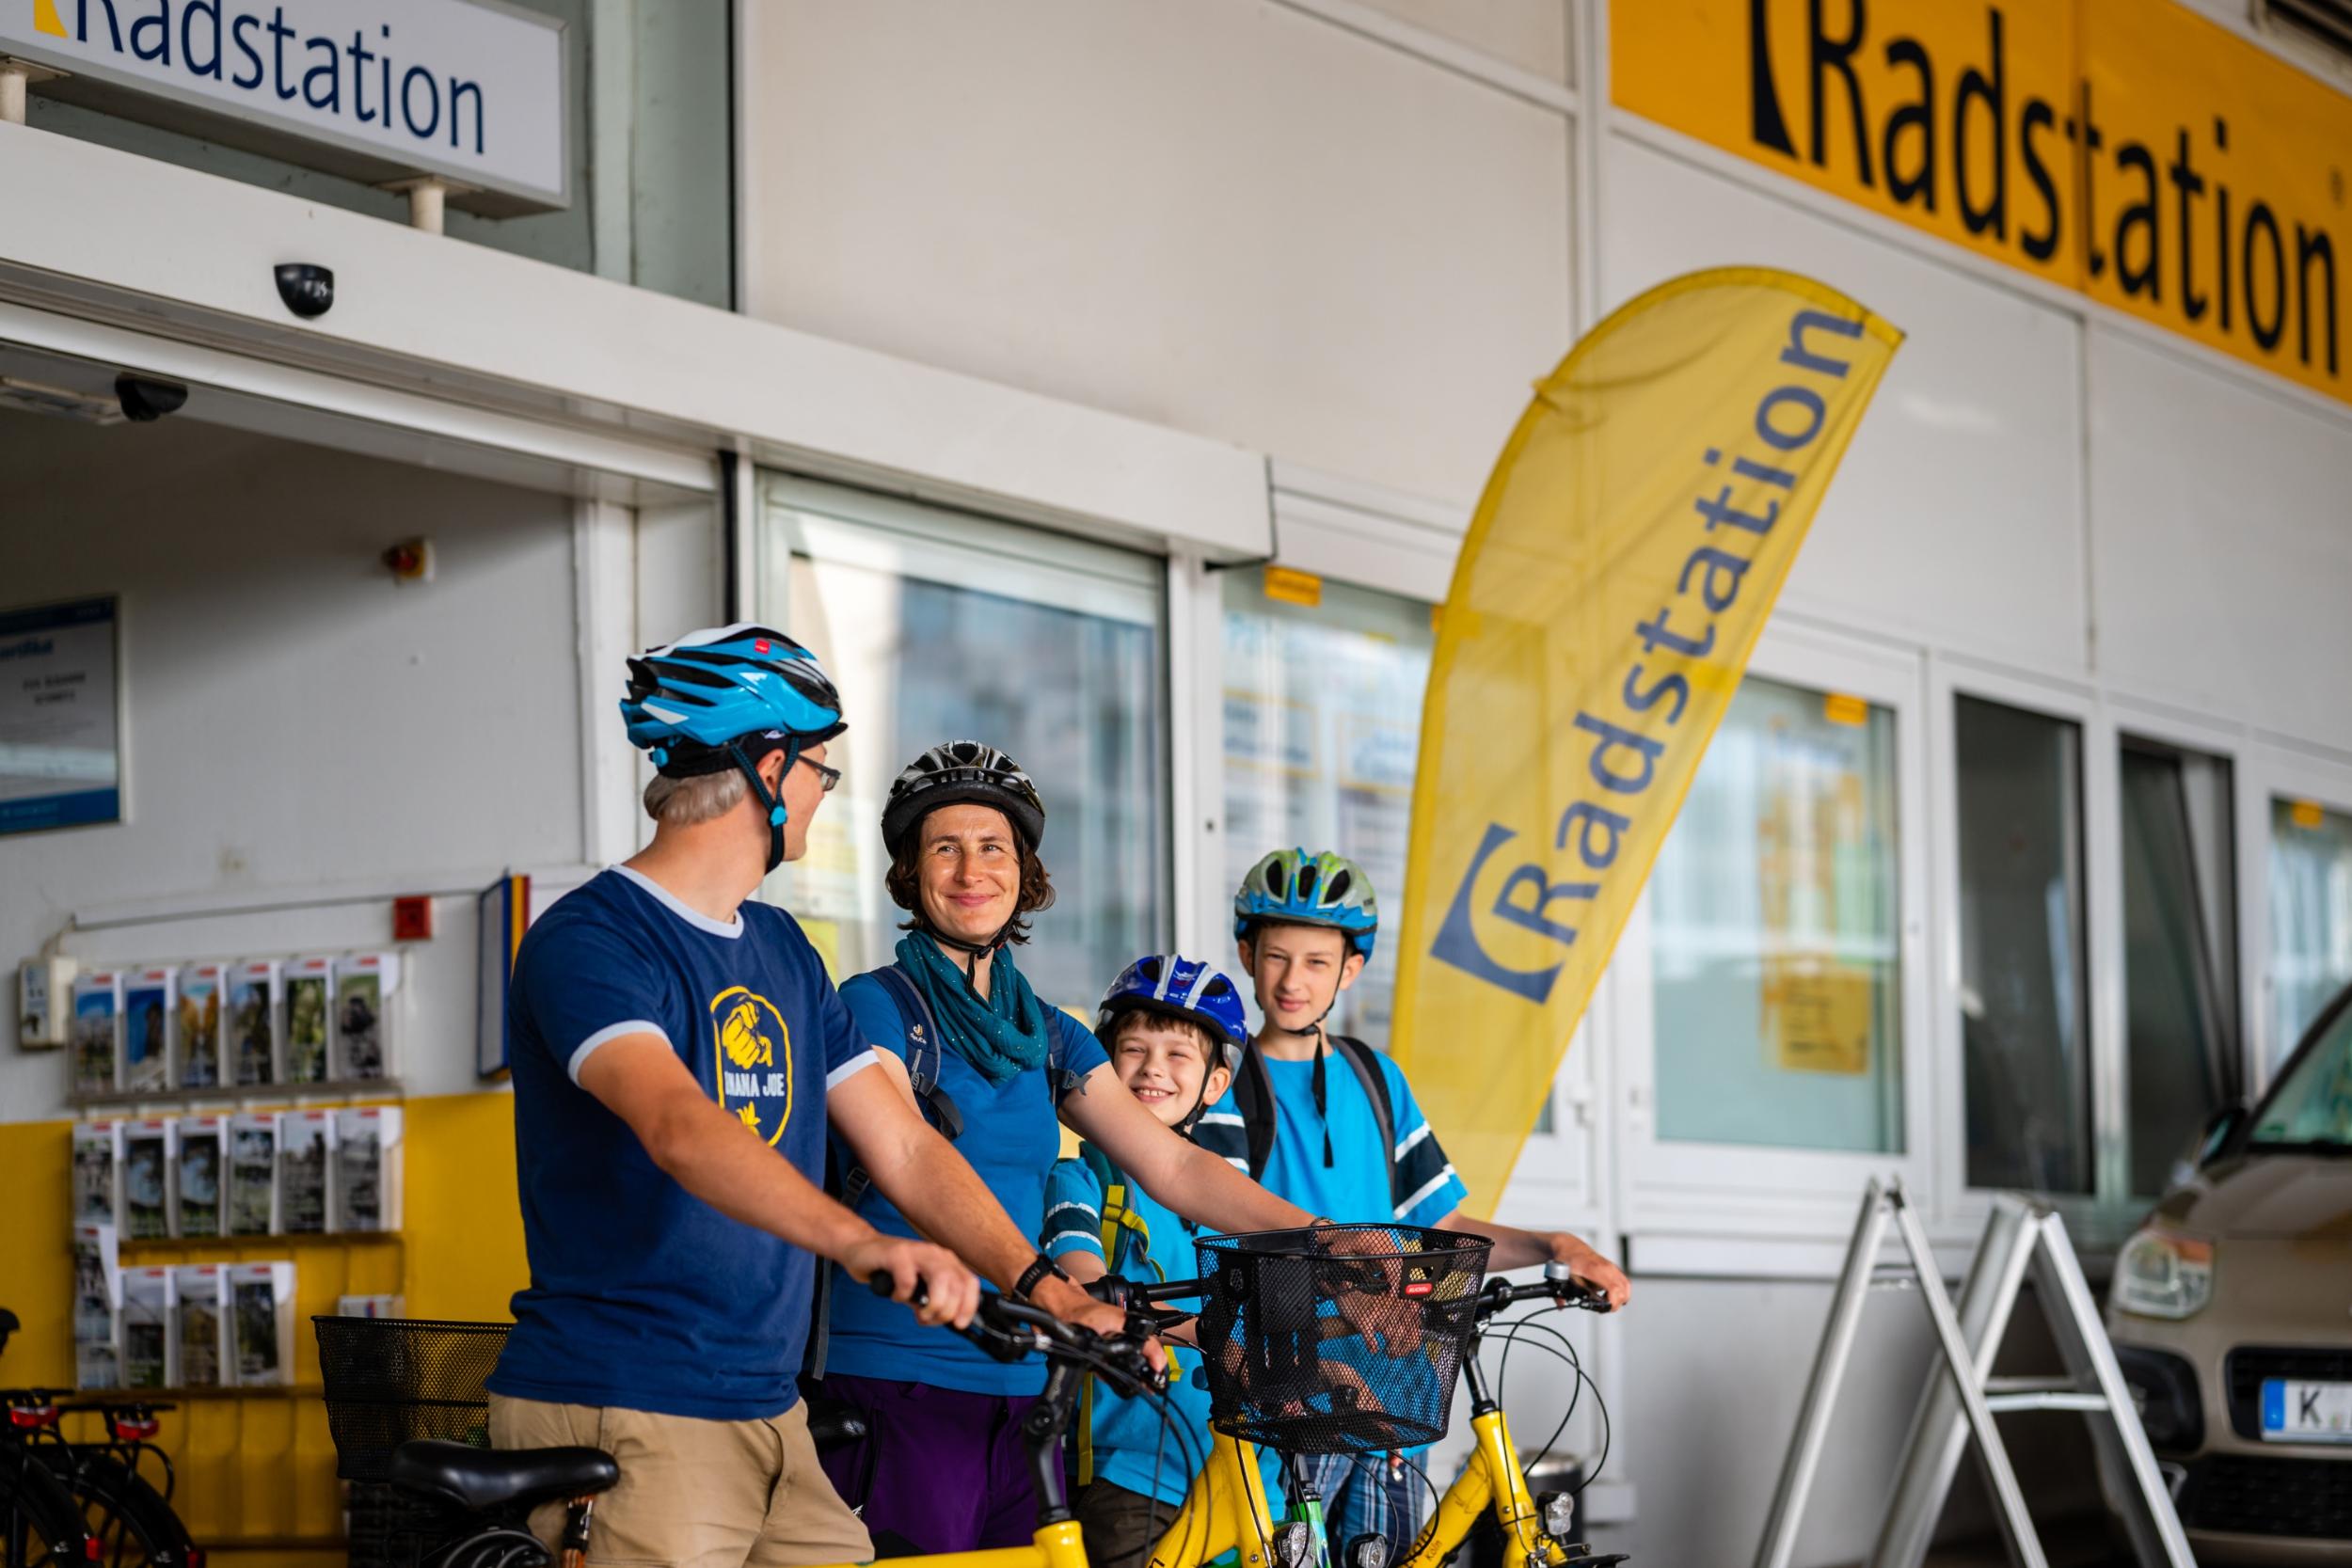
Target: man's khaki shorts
x,y
694,1493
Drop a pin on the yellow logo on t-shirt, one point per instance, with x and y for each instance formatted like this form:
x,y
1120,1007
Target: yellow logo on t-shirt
x,y
751,1053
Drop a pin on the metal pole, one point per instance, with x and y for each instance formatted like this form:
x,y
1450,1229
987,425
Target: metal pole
x,y
1803,1459
1959,1365
1939,1427
2157,1538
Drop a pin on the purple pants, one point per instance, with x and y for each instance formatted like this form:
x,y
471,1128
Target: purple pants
x,y
940,1470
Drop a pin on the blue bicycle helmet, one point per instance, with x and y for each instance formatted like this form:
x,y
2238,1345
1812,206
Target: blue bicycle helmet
x,y
726,698
1181,987
1298,887
1178,987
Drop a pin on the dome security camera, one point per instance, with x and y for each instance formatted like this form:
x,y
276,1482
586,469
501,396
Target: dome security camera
x,y
146,399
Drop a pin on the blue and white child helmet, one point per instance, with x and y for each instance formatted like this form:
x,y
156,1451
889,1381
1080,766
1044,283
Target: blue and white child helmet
x,y
1181,987
1298,887
724,698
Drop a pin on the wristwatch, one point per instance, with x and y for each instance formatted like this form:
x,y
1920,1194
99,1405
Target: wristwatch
x,y
1034,1274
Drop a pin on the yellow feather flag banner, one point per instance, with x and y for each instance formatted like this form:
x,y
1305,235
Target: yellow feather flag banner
x,y
1619,569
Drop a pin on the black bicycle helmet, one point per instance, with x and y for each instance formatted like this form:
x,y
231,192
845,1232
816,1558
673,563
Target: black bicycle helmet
x,y
957,772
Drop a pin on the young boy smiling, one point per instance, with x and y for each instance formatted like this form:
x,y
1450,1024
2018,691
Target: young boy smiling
x,y
1332,1125
1169,1026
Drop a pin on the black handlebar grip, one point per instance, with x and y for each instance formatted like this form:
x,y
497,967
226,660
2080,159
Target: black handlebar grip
x,y
887,1287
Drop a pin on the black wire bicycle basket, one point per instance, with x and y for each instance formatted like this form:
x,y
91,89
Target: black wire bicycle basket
x,y
393,1380
1345,1339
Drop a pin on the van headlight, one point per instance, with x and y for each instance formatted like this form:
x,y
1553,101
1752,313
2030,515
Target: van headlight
x,y
2163,1274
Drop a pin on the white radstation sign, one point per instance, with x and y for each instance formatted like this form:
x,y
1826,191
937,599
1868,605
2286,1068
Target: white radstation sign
x,y
470,92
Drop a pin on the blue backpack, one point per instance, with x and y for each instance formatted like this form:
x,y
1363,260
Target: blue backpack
x,y
849,1181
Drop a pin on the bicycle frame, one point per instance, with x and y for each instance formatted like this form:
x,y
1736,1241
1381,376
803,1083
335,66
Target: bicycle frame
x,y
1226,1510
1492,1481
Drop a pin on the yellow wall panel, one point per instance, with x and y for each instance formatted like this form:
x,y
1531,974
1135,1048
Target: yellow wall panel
x,y
257,1469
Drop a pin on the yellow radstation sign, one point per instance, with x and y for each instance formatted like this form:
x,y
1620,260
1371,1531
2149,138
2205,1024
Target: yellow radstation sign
x,y
2129,150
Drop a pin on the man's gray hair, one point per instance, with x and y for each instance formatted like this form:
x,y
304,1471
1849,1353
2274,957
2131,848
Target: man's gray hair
x,y
684,802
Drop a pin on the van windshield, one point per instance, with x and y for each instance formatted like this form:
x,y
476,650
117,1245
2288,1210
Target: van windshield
x,y
2312,1107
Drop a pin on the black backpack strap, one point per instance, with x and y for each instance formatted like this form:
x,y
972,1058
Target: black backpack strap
x,y
1376,1082
1253,1096
849,1181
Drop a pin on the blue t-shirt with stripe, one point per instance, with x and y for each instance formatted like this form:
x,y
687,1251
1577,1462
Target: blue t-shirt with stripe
x,y
641,1295
1126,1441
1354,1189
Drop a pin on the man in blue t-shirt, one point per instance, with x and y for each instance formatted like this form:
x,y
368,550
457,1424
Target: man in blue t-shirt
x,y
1333,1125
670,1039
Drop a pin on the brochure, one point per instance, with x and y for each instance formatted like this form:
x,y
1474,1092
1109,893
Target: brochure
x,y
206,1359
151,1151
98,1173
367,1168
203,1157
305,1158
149,1349
252,1018
97,1309
262,1302
148,1027
365,986
97,1032
199,1024
253,1173
308,1004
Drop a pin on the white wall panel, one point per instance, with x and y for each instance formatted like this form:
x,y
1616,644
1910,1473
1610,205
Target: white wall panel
x,y
1531,35
1956,517
2220,550
296,723
1229,216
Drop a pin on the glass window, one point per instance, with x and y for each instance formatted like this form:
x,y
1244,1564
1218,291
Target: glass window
x,y
1322,735
2180,950
2310,1110
938,627
2022,1008
2310,916
1775,931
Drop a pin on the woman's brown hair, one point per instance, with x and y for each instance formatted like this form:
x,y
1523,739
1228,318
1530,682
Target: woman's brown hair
x,y
906,885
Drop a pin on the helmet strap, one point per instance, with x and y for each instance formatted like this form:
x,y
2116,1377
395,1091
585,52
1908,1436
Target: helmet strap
x,y
972,951
771,800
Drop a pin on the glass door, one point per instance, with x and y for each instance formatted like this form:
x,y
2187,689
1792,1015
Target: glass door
x,y
941,626
1772,980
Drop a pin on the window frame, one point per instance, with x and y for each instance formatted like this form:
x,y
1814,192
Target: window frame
x,y
1681,1187
2271,772
2126,716
2099,1214
1014,560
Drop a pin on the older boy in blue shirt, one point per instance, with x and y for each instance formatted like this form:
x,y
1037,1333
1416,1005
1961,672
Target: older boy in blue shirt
x,y
1332,1125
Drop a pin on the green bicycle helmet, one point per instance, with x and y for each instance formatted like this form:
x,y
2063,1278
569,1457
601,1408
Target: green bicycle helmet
x,y
1296,887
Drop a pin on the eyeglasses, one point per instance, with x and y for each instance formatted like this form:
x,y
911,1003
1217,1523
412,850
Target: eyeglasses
x,y
827,776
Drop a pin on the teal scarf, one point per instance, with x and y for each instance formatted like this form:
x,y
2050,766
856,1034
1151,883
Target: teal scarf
x,y
1002,1033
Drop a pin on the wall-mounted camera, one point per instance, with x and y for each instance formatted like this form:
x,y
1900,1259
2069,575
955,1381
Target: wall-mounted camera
x,y
309,291
146,399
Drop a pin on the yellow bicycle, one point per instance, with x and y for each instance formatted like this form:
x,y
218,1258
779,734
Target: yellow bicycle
x,y
1227,1509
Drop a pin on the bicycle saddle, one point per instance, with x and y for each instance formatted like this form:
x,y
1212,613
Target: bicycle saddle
x,y
481,1478
832,1427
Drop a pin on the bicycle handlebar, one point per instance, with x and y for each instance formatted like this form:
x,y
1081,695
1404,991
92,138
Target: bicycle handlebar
x,y
1009,1330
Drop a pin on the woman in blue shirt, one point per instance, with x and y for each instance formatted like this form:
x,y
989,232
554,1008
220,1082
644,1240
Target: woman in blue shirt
x,y
943,1467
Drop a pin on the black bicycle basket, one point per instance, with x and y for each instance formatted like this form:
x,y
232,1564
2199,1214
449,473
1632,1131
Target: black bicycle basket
x,y
1345,1339
390,1380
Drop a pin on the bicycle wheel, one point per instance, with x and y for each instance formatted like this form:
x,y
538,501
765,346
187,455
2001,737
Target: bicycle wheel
x,y
41,1523
134,1525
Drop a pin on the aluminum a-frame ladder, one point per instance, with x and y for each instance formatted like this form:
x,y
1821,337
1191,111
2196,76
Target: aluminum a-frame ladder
x,y
1961,1396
